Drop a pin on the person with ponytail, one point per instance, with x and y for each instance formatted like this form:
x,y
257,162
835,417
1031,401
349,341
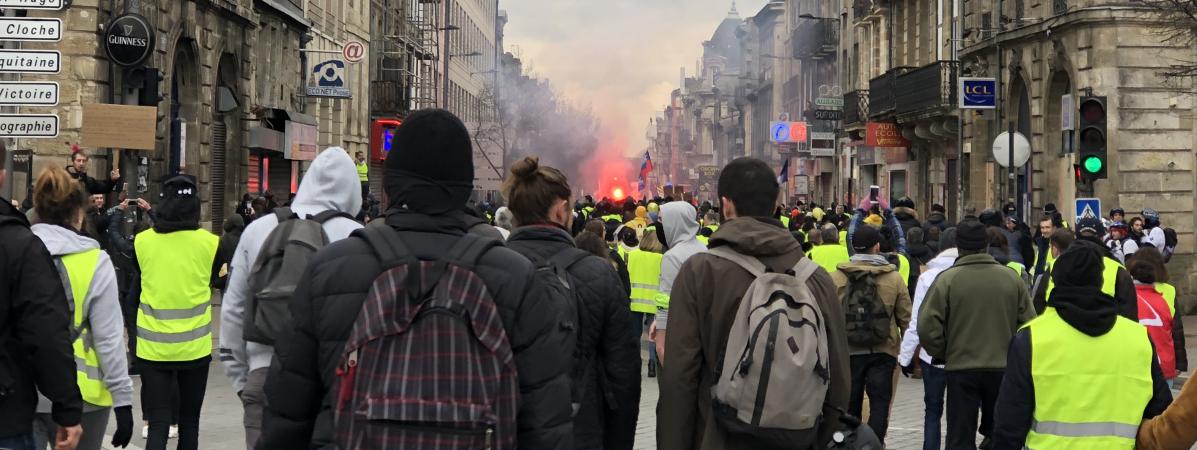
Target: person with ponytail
x,y
97,325
607,360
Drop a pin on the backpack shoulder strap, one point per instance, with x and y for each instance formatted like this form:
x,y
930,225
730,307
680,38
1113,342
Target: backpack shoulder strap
x,y
565,259
804,268
283,214
329,215
387,245
752,265
469,249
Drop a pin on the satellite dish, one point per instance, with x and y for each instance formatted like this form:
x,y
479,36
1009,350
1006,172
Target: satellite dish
x,y
1022,149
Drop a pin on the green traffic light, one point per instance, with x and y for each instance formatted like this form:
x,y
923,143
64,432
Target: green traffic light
x,y
1093,164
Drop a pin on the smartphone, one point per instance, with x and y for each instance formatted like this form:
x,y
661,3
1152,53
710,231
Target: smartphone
x,y
131,202
874,193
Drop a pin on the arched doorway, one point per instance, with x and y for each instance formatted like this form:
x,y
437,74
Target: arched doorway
x,y
1021,119
1057,180
225,135
184,110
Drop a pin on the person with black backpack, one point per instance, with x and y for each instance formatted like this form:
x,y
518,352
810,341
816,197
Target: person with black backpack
x,y
469,351
877,309
606,374
266,266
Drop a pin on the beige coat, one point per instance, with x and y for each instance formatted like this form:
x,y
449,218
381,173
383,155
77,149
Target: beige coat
x,y
893,293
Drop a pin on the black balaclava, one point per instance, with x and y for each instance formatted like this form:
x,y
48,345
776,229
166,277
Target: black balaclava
x,y
179,205
431,167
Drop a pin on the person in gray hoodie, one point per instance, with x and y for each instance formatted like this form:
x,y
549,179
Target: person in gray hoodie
x,y
680,221
330,184
97,323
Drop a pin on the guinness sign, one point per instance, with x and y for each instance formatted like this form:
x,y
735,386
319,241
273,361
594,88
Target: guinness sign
x,y
129,40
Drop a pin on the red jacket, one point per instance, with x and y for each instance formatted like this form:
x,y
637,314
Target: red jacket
x,y
1155,314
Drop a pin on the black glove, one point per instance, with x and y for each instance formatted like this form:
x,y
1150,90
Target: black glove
x,y
908,370
124,426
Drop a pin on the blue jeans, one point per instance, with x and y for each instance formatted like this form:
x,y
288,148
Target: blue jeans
x,y
652,347
934,384
20,442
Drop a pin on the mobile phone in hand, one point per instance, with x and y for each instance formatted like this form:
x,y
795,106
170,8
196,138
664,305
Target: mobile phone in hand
x,y
874,193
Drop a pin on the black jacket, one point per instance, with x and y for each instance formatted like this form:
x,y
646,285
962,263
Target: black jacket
x,y
302,378
908,217
94,186
1015,409
1124,294
609,337
936,220
35,343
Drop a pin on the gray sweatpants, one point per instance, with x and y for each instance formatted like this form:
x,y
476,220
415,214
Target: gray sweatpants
x,y
94,424
253,400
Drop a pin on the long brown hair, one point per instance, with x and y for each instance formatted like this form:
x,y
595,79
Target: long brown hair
x,y
58,198
533,189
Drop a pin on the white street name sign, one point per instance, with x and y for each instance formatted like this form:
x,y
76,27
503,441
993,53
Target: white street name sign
x,y
30,61
28,125
31,29
28,93
31,4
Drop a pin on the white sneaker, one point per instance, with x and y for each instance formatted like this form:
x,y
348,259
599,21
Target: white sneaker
x,y
145,431
174,432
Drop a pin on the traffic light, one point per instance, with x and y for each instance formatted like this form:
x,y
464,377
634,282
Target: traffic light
x,y
1093,161
1083,183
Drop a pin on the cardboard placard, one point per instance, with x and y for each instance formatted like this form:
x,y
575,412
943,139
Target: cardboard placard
x,y
124,127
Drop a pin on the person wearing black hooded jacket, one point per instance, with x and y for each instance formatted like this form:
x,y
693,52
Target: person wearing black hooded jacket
x,y
1125,297
607,359
428,179
1077,306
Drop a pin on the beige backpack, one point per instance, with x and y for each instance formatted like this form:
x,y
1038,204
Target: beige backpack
x,y
772,377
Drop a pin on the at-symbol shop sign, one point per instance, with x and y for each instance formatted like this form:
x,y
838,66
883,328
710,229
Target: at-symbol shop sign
x,y
328,79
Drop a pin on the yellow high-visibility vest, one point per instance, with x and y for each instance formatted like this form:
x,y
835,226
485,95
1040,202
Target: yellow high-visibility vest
x,y
904,269
644,270
1090,392
828,256
1109,278
785,222
174,321
1168,291
844,239
80,268
706,241
1018,267
363,171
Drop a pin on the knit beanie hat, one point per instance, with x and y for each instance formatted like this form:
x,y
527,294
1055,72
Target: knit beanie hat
x,y
431,166
179,204
971,236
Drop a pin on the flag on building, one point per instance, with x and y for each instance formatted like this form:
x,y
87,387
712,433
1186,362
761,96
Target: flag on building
x,y
785,172
645,168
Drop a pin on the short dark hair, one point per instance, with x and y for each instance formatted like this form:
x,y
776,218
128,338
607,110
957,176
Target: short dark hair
x,y
1062,239
751,185
1153,260
1142,271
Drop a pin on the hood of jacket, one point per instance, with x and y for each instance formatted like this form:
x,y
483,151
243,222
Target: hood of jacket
x,y
904,213
642,213
943,260
234,224
330,183
543,241
680,221
936,218
864,266
760,237
63,241
7,210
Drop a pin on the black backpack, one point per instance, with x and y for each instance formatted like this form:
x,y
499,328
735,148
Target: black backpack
x,y
867,318
1170,242
555,272
279,267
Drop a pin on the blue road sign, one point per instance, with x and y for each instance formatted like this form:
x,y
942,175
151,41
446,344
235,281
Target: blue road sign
x,y
780,131
1087,207
978,93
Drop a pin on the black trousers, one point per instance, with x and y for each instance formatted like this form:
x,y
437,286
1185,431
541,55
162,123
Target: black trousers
x,y
971,392
873,374
158,386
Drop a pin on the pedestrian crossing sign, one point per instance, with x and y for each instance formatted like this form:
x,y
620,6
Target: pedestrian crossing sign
x,y
1087,207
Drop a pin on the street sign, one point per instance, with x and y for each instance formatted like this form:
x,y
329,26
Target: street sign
x,y
1088,207
31,29
829,114
129,40
34,126
978,93
28,93
782,132
1022,149
822,136
327,79
353,52
829,101
31,4
30,61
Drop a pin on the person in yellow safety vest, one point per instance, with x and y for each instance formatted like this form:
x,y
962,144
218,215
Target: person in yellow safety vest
x,y
644,269
174,321
627,242
363,173
640,222
1115,281
1079,376
831,253
910,272
97,325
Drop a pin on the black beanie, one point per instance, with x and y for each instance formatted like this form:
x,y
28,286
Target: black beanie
x,y
991,217
179,205
431,165
971,236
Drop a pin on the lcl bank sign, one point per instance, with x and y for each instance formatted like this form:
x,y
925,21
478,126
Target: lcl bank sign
x,y
978,93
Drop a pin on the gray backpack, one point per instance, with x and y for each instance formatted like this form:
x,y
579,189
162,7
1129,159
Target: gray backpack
x,y
277,270
772,377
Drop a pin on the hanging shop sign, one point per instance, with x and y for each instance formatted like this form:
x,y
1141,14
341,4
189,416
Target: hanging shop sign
x,y
129,40
884,134
32,4
30,61
327,79
978,93
354,52
28,126
31,29
783,132
28,93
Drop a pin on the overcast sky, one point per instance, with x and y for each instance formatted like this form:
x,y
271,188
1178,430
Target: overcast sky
x,y
621,57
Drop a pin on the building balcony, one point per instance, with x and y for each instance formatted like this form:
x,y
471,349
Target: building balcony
x,y
926,91
856,107
815,38
883,90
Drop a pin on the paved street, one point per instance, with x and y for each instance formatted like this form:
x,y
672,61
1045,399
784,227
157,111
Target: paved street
x,y
220,428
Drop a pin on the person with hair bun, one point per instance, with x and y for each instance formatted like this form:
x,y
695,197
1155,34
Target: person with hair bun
x,y
97,324
607,359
